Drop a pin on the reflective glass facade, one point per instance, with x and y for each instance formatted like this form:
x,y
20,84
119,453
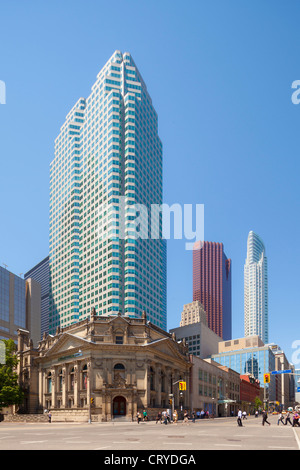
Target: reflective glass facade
x,y
12,303
256,361
108,158
212,285
256,289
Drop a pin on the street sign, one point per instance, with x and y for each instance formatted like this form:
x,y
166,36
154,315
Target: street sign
x,y
288,371
298,389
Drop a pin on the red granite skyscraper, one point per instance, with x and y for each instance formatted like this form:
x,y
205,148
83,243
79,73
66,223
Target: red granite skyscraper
x,y
212,285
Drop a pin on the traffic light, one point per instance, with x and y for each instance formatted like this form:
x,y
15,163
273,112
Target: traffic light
x,y
182,385
170,401
92,400
267,378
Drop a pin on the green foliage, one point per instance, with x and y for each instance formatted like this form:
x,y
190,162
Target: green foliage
x,y
10,392
258,403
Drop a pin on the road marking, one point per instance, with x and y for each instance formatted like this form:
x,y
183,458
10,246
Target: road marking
x,y
229,445
32,442
6,437
100,448
177,443
297,438
281,447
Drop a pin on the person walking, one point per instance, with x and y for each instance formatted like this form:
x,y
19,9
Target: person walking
x,y
175,416
239,418
265,418
158,417
193,416
49,416
139,417
185,417
165,417
145,415
288,418
244,415
280,418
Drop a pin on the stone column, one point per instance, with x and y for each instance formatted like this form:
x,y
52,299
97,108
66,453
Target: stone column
x,y
64,386
53,388
158,384
41,388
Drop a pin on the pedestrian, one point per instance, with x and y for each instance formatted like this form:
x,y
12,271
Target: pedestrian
x,y
202,414
193,416
280,418
288,419
256,414
49,416
139,417
239,418
198,414
296,420
165,417
185,417
244,415
265,418
175,416
158,417
145,415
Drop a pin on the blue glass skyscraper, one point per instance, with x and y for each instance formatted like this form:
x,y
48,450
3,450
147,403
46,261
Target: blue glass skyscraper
x,y
108,159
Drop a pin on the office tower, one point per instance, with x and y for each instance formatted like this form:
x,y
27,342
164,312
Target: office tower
x,y
40,273
256,289
249,356
193,313
108,157
212,285
33,310
20,306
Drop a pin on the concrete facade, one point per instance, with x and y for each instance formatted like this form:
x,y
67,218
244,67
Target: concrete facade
x,y
202,341
193,313
213,388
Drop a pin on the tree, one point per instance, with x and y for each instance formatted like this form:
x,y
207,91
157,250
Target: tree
x,y
10,392
258,403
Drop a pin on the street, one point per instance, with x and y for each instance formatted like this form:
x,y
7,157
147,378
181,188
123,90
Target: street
x,y
212,434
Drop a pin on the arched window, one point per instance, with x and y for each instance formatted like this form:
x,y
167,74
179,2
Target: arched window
x,y
119,371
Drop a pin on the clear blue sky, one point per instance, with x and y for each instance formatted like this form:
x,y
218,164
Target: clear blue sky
x,y
219,74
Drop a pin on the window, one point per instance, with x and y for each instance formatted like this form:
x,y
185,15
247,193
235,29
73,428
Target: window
x,y
119,339
49,383
84,377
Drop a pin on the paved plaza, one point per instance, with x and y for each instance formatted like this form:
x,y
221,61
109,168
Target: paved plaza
x,y
212,434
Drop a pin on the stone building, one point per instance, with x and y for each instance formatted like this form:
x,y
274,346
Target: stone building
x,y
214,388
102,368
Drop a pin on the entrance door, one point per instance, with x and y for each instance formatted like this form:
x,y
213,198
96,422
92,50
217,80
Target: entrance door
x,y
119,406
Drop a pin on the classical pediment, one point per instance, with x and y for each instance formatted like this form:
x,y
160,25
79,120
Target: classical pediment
x,y
166,347
65,345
